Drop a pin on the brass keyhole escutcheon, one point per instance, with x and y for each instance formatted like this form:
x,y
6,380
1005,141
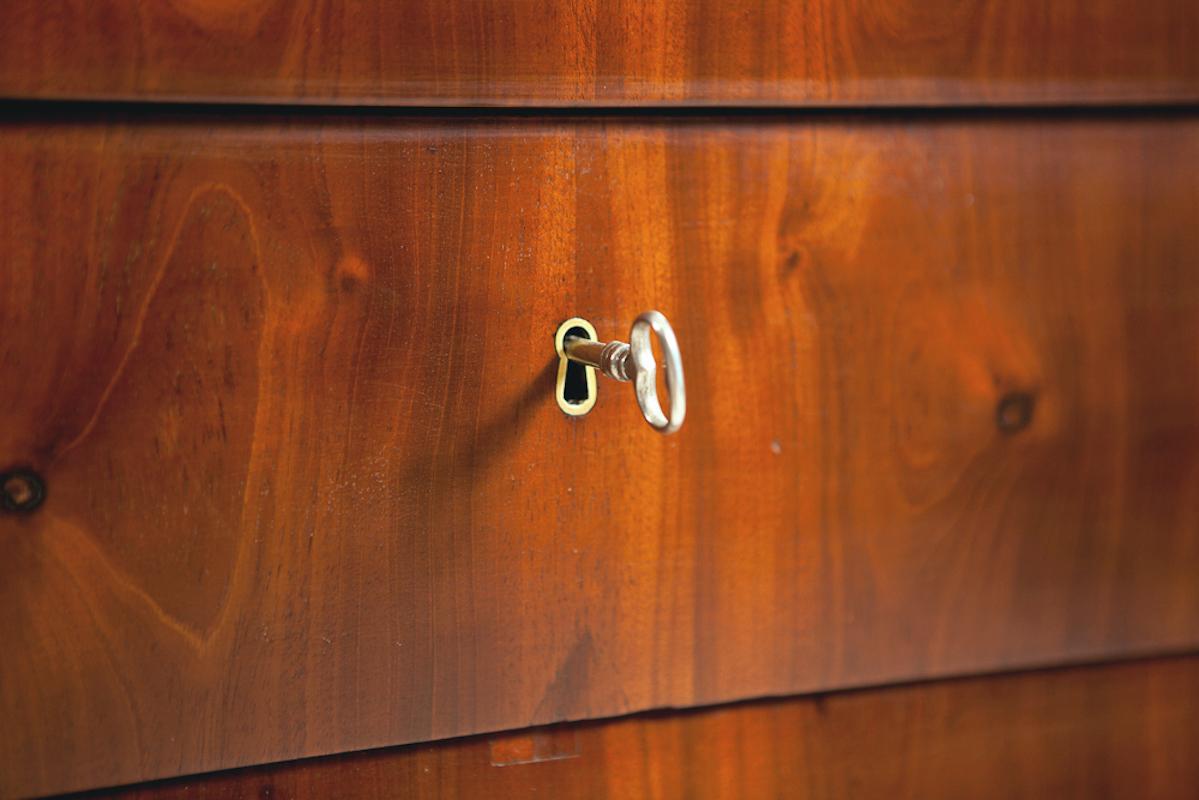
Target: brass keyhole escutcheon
x,y
576,387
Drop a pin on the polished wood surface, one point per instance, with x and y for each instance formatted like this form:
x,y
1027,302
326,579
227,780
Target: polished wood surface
x,y
1114,731
568,52
289,384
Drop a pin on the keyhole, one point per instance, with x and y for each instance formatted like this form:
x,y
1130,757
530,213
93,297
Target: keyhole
x,y
575,390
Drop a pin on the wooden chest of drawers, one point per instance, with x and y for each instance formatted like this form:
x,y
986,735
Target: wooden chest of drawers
x,y
288,375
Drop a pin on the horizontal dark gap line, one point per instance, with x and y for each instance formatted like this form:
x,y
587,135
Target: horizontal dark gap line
x,y
1150,656
26,110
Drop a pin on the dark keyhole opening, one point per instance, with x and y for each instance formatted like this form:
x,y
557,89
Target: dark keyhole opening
x,y
574,388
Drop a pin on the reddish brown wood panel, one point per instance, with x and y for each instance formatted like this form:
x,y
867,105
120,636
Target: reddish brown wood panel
x,y
568,52
1114,731
289,384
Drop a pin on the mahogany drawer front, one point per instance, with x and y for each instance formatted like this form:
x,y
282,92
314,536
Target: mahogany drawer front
x,y
570,52
290,385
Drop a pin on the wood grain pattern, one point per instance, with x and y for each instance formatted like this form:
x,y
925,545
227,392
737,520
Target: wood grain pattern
x,y
578,52
1114,731
293,507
